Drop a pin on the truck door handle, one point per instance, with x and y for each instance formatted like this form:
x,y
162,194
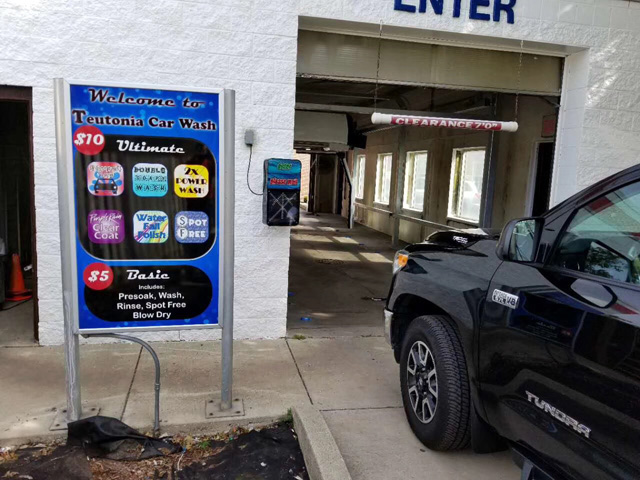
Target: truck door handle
x,y
593,292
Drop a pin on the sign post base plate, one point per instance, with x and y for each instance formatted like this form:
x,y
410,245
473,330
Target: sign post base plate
x,y
60,420
212,409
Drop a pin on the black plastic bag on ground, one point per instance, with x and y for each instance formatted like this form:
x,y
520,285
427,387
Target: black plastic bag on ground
x,y
107,437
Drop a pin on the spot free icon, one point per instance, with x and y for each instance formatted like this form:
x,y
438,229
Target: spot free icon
x,y
192,227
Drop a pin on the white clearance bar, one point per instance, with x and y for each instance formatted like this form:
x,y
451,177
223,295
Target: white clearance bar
x,y
411,121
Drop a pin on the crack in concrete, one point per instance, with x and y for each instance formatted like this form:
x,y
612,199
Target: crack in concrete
x,y
357,408
286,340
133,378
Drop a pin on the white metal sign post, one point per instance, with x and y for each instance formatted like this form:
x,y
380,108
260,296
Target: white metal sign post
x,y
146,197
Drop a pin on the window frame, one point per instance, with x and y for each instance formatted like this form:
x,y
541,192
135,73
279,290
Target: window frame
x,y
380,158
412,156
458,156
569,217
359,175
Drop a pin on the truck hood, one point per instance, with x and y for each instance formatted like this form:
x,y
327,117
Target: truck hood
x,y
454,240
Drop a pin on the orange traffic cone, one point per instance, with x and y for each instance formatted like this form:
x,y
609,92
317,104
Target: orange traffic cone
x,y
17,291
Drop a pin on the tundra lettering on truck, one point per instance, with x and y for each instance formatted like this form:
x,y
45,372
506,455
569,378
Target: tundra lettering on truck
x,y
558,415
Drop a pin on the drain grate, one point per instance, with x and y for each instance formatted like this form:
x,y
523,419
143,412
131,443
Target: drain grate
x,y
330,261
374,299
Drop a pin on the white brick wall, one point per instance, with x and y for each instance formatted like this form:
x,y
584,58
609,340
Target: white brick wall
x,y
246,45
250,45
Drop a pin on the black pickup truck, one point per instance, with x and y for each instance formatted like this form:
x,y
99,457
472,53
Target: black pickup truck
x,y
529,339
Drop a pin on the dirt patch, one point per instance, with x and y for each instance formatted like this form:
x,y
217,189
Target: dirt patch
x,y
270,453
51,462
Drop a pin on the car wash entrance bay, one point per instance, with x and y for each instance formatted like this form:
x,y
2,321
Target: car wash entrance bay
x,y
146,170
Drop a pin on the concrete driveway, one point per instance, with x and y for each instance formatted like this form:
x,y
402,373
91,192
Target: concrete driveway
x,y
336,279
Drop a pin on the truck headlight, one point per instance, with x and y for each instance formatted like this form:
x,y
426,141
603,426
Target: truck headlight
x,y
400,261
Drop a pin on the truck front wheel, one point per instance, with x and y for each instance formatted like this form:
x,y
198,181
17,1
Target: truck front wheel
x,y
435,385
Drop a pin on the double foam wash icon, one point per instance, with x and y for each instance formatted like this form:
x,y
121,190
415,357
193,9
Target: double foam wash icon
x,y
150,180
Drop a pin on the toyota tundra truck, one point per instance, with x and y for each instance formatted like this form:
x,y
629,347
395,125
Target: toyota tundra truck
x,y
528,339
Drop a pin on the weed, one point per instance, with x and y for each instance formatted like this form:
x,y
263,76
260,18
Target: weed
x,y
288,418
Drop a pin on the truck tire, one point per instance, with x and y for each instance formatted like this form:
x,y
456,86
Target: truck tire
x,y
435,384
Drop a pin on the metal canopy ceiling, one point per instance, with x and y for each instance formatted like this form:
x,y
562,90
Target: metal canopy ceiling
x,y
354,58
359,97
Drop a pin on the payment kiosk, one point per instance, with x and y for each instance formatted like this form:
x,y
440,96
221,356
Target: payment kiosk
x,y
281,199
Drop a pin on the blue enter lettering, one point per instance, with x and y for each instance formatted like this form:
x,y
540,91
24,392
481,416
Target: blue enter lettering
x,y
437,5
499,7
475,9
475,15
403,7
456,8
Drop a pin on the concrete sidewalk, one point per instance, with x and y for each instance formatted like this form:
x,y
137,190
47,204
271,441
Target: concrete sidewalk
x,y
118,378
353,381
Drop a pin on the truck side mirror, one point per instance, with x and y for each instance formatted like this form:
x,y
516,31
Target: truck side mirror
x,y
520,239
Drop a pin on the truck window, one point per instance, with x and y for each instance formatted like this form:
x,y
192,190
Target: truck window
x,y
603,238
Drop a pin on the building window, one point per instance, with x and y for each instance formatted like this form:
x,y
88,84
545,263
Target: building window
x,y
415,180
383,178
358,176
465,191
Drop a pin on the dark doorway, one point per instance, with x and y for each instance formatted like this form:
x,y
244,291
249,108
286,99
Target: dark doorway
x,y
313,168
18,309
325,185
544,173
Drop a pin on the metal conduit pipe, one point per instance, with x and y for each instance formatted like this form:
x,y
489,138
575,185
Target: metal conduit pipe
x,y
156,361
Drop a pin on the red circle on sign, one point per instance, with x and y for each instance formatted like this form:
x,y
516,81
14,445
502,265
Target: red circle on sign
x,y
98,276
89,140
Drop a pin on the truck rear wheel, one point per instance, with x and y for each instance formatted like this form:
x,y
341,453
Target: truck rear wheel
x,y
435,383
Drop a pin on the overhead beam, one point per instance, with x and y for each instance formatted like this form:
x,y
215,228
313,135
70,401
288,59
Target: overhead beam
x,y
320,107
389,62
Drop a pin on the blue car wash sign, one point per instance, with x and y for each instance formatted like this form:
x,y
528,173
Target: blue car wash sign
x,y
146,193
485,10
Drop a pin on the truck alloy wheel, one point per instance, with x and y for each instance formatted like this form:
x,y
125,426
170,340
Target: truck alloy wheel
x,y
435,383
422,381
